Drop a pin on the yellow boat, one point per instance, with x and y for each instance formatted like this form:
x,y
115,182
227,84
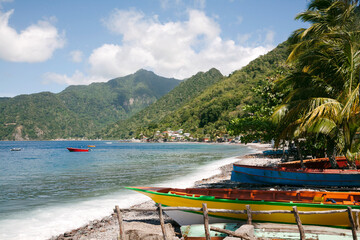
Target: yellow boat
x,y
259,200
91,146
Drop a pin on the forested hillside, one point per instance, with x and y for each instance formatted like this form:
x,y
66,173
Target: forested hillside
x,y
150,116
80,111
208,112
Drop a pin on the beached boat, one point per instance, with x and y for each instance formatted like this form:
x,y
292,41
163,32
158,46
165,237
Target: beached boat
x,y
298,177
259,200
77,149
318,163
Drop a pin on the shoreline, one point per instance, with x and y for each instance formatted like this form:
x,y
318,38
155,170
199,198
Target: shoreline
x,y
147,223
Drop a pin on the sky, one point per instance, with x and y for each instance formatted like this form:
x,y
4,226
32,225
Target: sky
x,y
47,45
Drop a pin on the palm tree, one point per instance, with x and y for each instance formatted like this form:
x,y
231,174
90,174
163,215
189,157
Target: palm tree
x,y
327,56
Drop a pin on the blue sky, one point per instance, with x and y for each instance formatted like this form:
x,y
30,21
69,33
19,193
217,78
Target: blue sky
x,y
46,45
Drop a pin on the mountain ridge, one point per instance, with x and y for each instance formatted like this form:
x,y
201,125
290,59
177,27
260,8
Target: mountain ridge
x,y
177,97
79,110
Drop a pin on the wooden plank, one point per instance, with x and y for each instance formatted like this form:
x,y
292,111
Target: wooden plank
x,y
322,212
271,212
298,221
206,221
162,223
236,211
248,212
352,223
121,225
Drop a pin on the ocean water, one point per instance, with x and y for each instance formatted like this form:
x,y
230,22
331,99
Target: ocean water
x,y
46,190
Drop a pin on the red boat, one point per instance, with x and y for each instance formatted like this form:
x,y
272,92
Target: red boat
x,y
77,149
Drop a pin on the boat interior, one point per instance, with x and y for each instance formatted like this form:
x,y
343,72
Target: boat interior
x,y
342,198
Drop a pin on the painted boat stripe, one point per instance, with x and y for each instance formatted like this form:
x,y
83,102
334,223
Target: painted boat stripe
x,y
293,179
355,171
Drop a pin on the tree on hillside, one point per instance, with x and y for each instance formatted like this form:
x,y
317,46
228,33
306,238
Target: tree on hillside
x,y
255,123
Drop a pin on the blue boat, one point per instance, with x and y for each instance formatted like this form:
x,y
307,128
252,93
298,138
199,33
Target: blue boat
x,y
296,177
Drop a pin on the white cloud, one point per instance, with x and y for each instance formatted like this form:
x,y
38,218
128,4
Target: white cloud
x,y
197,4
200,4
244,38
76,56
78,78
269,38
239,19
36,43
171,49
4,1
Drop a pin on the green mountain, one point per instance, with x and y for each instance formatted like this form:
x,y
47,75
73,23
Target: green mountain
x,y
80,111
176,98
206,112
209,113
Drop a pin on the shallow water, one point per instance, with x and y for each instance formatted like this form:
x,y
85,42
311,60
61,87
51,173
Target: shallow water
x,y
46,190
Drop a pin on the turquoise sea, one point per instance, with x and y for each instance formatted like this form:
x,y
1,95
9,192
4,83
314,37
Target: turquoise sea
x,y
46,190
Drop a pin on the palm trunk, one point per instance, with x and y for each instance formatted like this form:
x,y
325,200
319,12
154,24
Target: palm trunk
x,y
297,144
284,157
331,153
352,164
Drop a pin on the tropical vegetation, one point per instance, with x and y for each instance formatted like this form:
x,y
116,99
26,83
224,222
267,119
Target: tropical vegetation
x,y
323,103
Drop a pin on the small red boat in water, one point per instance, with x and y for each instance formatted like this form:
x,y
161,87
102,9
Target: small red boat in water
x,y
77,149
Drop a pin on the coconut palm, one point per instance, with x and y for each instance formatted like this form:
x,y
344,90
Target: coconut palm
x,y
327,56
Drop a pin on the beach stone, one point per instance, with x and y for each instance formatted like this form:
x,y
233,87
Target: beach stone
x,y
145,231
246,230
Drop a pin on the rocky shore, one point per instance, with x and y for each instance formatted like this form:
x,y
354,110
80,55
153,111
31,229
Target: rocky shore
x,y
146,225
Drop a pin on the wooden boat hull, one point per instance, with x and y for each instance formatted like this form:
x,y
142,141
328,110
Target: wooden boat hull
x,y
77,149
159,195
296,177
267,231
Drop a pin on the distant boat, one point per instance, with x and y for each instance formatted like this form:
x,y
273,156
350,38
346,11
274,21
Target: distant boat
x,y
15,149
77,149
295,176
92,146
258,200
